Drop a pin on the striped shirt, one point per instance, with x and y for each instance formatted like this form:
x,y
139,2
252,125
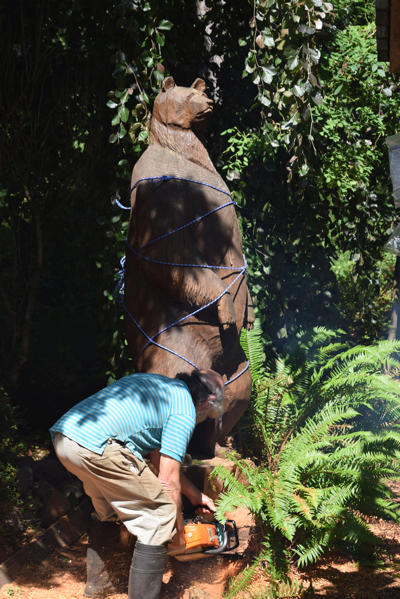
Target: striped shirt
x,y
143,411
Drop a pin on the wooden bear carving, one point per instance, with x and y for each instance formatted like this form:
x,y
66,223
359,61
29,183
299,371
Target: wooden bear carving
x,y
185,285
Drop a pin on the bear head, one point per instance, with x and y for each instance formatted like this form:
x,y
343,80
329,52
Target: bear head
x,y
183,107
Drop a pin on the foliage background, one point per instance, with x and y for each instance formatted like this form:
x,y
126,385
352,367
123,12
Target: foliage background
x,y
314,191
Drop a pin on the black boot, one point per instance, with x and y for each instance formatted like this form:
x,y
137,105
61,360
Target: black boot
x,y
102,540
147,567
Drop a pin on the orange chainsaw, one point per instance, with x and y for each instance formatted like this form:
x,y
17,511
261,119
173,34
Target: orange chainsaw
x,y
204,538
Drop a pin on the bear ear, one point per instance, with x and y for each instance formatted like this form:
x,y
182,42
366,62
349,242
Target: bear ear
x,y
168,83
199,84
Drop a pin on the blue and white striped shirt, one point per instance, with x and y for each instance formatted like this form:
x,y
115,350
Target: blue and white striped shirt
x,y
144,411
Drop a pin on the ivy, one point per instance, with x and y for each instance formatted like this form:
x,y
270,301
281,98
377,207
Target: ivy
x,y
138,72
283,59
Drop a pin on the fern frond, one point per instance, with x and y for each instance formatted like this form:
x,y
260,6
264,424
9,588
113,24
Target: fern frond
x,y
279,590
241,582
253,347
325,423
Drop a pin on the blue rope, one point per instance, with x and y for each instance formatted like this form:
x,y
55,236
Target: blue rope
x,y
183,318
169,177
195,220
119,290
165,263
163,178
151,341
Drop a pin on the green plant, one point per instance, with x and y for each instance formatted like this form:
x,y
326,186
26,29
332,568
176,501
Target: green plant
x,y
9,449
283,60
342,202
325,437
274,590
362,308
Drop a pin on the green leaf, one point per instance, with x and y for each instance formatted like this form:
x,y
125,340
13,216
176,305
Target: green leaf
x,y
293,63
298,91
143,136
318,99
264,100
121,132
158,76
304,169
160,37
165,25
124,112
269,41
268,73
112,104
125,96
144,97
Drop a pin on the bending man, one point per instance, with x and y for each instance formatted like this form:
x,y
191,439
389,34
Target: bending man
x,y
104,439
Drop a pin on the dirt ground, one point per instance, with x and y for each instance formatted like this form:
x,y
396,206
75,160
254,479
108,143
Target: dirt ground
x,y
62,574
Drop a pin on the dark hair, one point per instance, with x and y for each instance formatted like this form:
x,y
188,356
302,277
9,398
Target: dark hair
x,y
202,384
197,390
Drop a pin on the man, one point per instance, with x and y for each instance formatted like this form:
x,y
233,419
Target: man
x,y
104,439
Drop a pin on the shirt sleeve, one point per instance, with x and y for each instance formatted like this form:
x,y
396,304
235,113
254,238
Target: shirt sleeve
x,y
176,436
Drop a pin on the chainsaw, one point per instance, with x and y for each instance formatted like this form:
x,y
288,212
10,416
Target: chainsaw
x,y
205,538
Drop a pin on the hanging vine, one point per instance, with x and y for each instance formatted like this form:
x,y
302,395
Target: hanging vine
x,y
282,61
138,72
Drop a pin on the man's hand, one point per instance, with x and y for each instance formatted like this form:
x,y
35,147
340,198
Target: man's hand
x,y
206,505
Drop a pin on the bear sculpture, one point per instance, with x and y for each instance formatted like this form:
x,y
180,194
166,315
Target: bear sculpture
x,y
184,255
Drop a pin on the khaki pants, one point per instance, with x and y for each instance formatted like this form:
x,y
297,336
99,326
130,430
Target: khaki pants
x,y
121,487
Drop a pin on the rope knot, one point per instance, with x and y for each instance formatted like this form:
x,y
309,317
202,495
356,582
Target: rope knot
x,y
164,178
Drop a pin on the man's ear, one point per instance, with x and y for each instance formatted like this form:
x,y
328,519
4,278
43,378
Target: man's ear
x,y
210,400
199,84
168,83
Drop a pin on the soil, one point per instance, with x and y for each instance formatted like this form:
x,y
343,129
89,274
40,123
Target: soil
x,y
62,574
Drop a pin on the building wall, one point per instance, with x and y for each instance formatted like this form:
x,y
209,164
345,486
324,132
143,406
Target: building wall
x,y
394,47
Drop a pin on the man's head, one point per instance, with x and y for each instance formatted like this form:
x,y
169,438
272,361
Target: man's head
x,y
207,391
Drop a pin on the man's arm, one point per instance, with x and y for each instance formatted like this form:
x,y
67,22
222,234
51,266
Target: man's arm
x,y
195,496
189,490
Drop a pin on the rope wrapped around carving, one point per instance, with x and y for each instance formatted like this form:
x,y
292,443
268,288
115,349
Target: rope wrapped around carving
x,y
119,290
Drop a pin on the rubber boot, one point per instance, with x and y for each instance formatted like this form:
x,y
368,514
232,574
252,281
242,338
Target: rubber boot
x,y
102,538
146,572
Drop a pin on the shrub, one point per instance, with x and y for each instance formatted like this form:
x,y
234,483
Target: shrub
x,y
325,437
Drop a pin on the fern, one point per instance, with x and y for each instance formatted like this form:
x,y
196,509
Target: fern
x,y
251,342
240,583
324,425
282,590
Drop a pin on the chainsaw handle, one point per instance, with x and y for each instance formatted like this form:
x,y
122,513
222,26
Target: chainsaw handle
x,y
221,547
225,540
204,507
